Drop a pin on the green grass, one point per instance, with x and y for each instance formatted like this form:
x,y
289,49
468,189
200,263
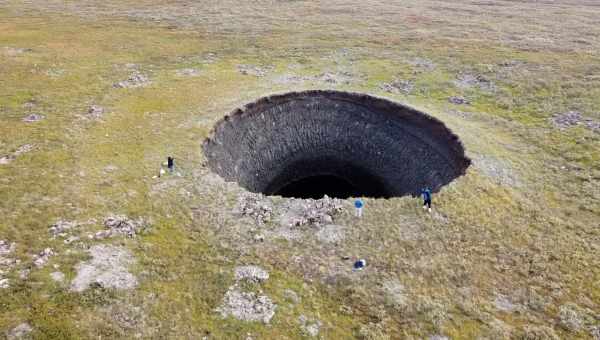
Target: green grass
x,y
488,238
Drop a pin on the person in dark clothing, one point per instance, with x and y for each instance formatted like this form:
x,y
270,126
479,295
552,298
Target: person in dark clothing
x,y
170,164
426,198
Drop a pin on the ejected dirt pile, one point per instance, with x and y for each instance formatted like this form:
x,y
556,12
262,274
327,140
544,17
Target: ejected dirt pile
x,y
307,144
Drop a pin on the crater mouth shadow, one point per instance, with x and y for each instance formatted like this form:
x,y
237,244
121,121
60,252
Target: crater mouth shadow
x,y
341,144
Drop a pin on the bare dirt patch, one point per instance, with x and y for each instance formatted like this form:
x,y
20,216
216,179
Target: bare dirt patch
x,y
108,268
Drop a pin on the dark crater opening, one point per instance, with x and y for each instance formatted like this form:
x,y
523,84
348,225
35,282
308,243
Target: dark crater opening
x,y
340,144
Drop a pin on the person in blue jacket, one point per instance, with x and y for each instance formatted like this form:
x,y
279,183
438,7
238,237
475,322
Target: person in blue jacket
x,y
358,204
426,193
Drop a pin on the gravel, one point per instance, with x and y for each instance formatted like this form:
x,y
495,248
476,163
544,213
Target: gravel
x,y
247,306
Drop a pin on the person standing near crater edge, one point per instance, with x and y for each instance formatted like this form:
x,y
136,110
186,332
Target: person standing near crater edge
x,y
358,204
426,193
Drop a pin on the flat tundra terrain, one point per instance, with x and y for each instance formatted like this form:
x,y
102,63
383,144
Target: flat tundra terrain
x,y
95,94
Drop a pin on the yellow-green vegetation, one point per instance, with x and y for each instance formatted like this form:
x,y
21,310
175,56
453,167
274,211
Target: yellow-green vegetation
x,y
512,249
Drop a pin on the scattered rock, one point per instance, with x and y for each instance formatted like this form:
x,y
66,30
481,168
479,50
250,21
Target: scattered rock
x,y
41,259
120,224
595,332
18,152
58,277
569,317
71,239
398,86
15,51
111,168
5,160
55,73
4,283
107,268
20,332
23,149
309,212
135,80
251,273
95,112
61,228
466,80
331,233
335,78
33,117
188,72
253,70
502,303
458,100
574,118
256,206
247,306
309,327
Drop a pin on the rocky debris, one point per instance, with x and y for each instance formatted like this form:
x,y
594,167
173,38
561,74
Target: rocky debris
x,y
71,239
502,303
61,228
122,225
574,118
135,80
289,79
33,117
298,212
335,78
41,259
247,306
458,100
308,326
331,233
188,72
20,332
18,152
595,332
4,283
569,318
57,277
95,112
497,170
251,273
398,86
254,70
256,206
108,268
5,160
466,80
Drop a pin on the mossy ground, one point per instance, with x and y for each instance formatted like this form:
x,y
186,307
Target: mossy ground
x,y
533,236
